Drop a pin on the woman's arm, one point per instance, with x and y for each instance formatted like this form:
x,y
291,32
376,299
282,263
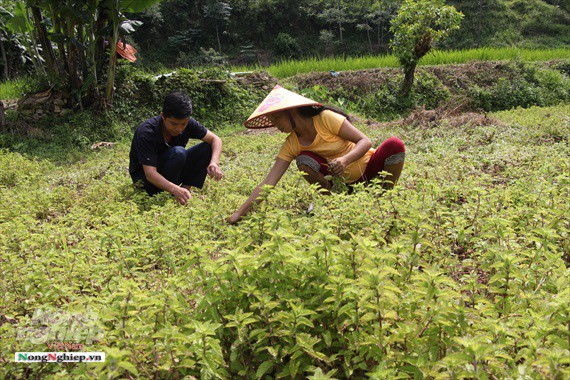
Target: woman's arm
x,y
275,174
351,133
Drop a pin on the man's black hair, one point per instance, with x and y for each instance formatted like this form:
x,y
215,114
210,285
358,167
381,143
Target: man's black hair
x,y
177,105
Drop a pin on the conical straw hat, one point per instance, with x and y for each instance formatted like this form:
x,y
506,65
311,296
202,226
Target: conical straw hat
x,y
279,99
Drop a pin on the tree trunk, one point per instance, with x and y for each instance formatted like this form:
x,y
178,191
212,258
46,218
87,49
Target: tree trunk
x,y
60,45
218,37
479,22
408,80
112,66
74,79
92,41
378,34
2,118
339,22
5,72
47,49
100,24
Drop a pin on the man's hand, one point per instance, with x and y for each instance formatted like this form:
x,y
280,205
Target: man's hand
x,y
215,172
181,194
337,166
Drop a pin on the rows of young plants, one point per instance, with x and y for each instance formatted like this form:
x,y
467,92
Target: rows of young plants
x,y
460,272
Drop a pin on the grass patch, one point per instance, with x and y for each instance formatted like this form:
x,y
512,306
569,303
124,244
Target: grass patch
x,y
12,89
15,88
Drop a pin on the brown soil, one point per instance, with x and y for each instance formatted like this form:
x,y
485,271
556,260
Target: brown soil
x,y
457,77
422,118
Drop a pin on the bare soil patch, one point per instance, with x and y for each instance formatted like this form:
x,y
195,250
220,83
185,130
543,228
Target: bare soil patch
x,y
422,118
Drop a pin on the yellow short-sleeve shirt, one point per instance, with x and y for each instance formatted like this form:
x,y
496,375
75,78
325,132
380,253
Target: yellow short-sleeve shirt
x,y
327,144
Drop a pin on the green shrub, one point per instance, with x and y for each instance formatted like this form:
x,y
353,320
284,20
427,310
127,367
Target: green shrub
x,y
528,86
286,46
428,91
554,87
563,66
202,58
385,103
218,99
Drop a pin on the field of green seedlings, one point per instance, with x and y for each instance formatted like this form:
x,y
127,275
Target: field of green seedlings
x,y
460,272
438,57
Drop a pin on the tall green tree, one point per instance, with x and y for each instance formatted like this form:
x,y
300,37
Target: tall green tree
x,y
419,26
219,13
373,15
332,12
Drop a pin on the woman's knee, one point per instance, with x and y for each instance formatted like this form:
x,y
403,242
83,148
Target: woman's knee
x,y
306,163
393,145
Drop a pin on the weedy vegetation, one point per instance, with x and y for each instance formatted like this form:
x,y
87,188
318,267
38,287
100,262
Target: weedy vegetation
x,y
460,272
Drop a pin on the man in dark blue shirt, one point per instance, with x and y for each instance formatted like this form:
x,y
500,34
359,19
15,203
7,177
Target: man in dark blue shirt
x,y
159,159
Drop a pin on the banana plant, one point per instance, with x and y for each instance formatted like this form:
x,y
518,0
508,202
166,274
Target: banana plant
x,y
4,33
79,29
119,23
19,23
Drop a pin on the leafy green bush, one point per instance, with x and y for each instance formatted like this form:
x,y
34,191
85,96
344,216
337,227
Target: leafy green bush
x,y
218,99
202,58
428,91
286,46
528,86
385,102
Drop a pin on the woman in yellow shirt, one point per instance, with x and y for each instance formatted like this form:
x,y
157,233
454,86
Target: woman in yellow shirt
x,y
323,142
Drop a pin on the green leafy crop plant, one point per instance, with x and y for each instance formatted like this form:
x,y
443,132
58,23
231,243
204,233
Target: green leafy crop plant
x,y
460,272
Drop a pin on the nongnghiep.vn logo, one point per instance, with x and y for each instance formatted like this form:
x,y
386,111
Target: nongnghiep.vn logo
x,y
59,357
58,325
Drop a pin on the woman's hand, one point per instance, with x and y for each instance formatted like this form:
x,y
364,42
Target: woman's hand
x,y
234,219
337,166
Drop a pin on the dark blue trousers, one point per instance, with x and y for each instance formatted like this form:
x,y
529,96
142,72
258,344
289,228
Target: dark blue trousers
x,y
180,166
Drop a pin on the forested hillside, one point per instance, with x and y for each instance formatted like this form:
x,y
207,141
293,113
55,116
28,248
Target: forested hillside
x,y
197,32
249,31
